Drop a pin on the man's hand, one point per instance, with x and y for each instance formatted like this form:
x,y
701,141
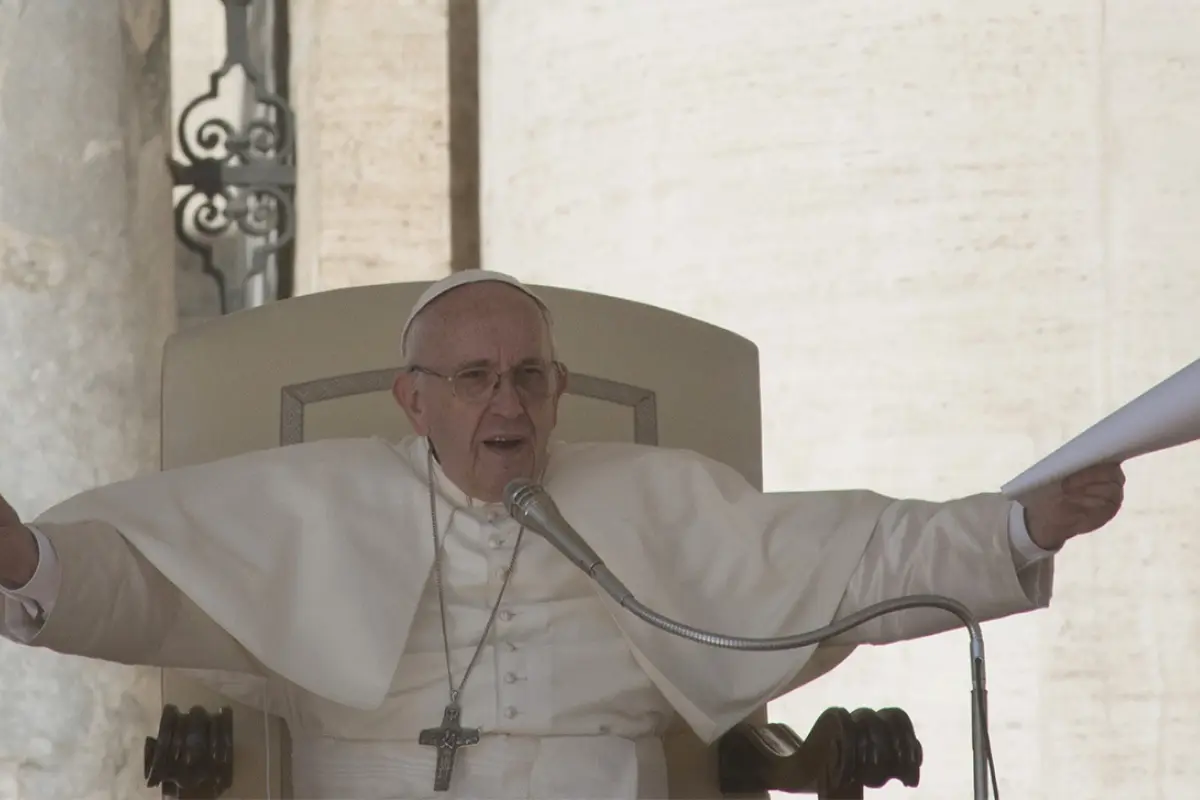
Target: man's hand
x,y
18,548
1080,503
8,516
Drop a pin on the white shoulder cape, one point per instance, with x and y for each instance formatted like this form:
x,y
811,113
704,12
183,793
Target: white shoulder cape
x,y
315,555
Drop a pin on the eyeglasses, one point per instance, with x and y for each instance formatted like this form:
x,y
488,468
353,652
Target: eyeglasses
x,y
534,380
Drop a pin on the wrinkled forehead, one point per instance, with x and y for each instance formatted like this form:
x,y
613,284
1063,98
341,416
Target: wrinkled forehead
x,y
482,322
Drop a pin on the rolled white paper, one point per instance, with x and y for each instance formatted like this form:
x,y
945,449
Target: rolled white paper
x,y
1166,416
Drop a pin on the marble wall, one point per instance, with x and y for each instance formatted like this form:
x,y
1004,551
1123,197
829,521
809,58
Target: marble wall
x,y
371,92
960,233
86,301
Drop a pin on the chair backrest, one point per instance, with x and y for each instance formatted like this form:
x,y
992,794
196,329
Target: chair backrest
x,y
322,365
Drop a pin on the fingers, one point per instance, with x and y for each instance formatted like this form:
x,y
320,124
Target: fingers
x,y
1086,520
1087,513
1105,489
1085,501
8,515
1099,474
1090,504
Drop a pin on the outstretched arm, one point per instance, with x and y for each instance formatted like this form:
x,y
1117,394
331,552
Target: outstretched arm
x,y
976,550
81,589
985,551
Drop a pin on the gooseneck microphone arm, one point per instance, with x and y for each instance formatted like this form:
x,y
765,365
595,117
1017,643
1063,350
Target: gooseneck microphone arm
x,y
531,505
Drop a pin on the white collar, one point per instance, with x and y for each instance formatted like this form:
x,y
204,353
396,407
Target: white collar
x,y
447,488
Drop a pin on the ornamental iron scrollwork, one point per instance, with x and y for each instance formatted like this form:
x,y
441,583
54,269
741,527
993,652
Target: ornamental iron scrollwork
x,y
239,178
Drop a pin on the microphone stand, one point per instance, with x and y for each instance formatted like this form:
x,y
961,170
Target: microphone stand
x,y
533,507
980,742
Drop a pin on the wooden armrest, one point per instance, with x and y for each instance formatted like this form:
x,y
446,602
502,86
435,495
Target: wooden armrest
x,y
843,754
192,757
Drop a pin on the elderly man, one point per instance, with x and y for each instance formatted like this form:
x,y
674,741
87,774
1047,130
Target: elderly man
x,y
384,596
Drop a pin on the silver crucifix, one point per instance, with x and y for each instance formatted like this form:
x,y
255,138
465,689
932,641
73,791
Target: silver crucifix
x,y
447,738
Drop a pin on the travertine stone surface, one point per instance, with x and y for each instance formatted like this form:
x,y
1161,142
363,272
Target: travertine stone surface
x,y
960,233
370,89
86,300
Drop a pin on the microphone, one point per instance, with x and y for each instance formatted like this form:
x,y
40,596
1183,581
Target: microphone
x,y
532,506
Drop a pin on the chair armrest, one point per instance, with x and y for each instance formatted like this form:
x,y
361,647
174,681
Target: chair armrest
x,y
192,757
843,754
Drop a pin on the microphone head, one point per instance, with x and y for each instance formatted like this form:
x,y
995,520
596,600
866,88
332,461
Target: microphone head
x,y
532,506
518,494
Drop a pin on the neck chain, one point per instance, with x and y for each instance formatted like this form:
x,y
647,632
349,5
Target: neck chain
x,y
450,736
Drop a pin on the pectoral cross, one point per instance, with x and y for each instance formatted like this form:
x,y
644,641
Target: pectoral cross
x,y
447,739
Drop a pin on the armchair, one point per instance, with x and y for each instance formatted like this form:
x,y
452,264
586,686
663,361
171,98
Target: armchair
x,y
322,365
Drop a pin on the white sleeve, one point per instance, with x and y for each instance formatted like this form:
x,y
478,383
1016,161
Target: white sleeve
x,y
1024,550
26,607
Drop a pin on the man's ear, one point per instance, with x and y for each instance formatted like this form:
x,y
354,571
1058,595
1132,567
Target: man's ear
x,y
560,388
408,397
564,379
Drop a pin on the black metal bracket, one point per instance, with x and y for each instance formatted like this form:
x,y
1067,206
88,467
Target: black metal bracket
x,y
243,176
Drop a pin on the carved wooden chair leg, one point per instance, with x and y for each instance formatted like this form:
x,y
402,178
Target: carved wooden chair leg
x,y
887,747
852,790
844,754
192,757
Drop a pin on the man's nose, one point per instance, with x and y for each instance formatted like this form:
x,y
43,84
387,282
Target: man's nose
x,y
505,399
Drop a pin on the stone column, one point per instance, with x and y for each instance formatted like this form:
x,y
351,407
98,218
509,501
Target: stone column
x,y
86,301
960,234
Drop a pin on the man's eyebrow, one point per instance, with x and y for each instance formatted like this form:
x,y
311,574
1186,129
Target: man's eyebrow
x,y
473,364
480,363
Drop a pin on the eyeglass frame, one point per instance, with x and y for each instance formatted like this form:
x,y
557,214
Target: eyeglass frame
x,y
557,367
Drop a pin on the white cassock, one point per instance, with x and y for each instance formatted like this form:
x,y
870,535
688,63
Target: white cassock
x,y
309,566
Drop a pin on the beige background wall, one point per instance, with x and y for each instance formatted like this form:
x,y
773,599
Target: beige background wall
x,y
371,94
960,233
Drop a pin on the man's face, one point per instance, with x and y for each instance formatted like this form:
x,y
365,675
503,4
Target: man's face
x,y
484,436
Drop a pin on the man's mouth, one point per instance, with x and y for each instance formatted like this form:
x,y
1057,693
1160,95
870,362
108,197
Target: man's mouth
x,y
504,444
